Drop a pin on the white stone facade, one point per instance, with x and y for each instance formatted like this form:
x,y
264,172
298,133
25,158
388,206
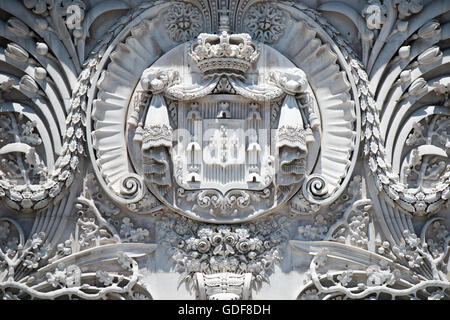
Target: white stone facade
x,y
224,149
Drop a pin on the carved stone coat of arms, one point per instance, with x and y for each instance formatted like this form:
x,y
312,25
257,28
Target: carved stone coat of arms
x,y
244,149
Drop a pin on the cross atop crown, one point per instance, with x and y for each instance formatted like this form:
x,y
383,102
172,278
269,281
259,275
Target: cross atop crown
x,y
224,20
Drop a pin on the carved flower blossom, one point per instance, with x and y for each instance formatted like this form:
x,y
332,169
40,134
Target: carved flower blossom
x,y
104,277
40,7
64,277
130,233
64,249
345,277
243,246
58,277
321,258
231,238
242,232
266,227
203,245
205,232
182,226
217,239
37,239
265,23
125,261
211,249
408,7
377,276
184,22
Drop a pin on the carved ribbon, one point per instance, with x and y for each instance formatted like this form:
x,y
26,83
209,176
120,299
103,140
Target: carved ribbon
x,y
291,135
157,131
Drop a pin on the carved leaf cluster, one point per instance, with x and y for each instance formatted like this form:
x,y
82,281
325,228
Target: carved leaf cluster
x,y
251,248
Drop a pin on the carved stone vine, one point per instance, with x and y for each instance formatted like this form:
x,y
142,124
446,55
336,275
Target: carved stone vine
x,y
344,221
96,227
386,279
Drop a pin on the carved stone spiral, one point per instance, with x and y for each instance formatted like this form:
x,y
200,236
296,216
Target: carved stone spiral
x,y
132,187
315,188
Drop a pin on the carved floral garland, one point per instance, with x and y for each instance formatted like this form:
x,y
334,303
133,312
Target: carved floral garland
x,y
243,248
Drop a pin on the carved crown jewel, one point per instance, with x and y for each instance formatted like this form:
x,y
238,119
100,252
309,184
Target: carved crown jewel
x,y
232,53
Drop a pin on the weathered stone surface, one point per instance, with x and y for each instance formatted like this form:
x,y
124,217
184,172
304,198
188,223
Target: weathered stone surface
x,y
245,150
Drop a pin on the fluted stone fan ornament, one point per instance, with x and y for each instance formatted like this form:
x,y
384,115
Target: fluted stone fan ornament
x,y
224,149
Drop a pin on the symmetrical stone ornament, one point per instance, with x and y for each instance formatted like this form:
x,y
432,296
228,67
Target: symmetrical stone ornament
x,y
224,150
265,22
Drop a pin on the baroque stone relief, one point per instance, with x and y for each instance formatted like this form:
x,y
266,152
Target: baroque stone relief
x,y
204,150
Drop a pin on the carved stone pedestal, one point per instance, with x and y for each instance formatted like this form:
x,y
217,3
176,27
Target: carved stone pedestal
x,y
223,286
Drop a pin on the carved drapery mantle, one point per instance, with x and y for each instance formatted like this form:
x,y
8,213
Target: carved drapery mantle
x,y
251,149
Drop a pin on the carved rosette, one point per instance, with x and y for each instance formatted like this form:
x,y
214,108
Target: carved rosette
x,y
265,22
183,21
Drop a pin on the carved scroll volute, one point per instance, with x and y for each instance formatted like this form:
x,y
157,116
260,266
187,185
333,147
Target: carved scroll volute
x,y
292,137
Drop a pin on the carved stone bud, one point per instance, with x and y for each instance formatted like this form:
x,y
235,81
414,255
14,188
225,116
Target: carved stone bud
x,y
430,29
27,83
40,73
404,52
17,27
16,52
41,48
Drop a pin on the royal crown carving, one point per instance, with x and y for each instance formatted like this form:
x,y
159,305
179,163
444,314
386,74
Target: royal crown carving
x,y
232,53
224,150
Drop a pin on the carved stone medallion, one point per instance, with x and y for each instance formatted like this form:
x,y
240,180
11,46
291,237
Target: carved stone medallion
x,y
219,154
220,163
223,149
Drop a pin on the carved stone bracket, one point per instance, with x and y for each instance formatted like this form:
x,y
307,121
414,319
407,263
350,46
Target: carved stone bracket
x,y
223,286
